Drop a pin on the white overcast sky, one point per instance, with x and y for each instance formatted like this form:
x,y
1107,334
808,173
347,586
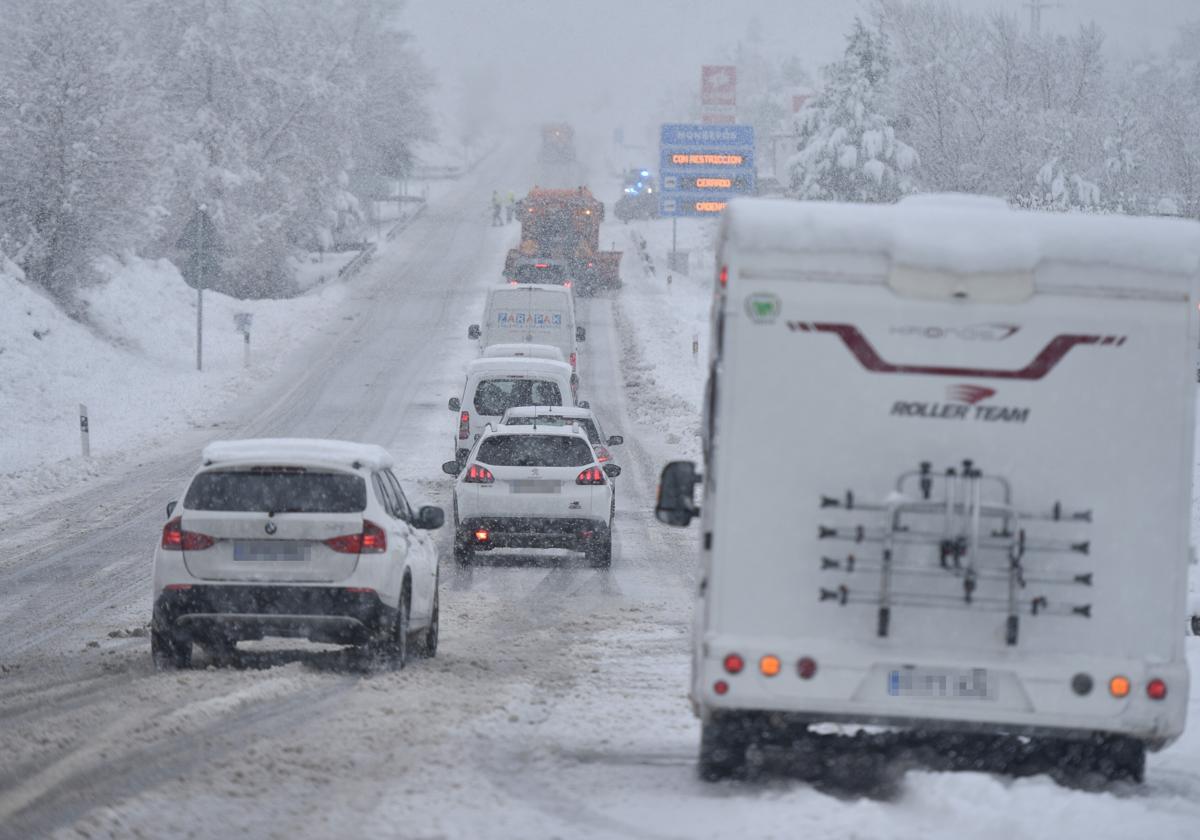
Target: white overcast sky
x,y
568,59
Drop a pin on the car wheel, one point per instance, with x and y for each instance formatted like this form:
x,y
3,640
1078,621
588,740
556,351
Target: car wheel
x,y
599,552
170,652
723,745
464,552
388,649
220,650
427,639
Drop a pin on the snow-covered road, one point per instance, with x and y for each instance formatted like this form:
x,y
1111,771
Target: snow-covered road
x,y
557,704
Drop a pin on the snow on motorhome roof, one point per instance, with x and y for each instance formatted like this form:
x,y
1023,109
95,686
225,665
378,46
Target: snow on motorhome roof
x,y
298,451
965,234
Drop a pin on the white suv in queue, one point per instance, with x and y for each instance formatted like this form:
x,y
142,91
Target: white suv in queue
x,y
526,487
297,538
563,415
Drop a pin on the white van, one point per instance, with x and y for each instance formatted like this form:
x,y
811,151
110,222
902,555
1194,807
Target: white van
x,y
975,515
495,385
530,314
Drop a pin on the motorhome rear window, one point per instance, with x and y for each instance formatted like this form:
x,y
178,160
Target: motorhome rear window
x,y
277,490
496,396
534,451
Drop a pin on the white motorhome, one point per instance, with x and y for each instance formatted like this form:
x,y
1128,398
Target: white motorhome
x,y
530,314
948,476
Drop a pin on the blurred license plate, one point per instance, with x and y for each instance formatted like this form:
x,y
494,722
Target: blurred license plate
x,y
960,684
535,486
269,550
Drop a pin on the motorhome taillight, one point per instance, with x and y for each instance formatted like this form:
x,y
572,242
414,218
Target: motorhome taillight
x,y
464,425
770,665
1119,686
734,663
479,475
592,475
806,667
1156,689
720,687
482,535
174,538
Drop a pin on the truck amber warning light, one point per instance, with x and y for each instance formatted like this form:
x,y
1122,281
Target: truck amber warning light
x,y
707,160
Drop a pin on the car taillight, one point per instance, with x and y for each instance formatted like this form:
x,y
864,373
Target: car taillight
x,y
371,540
174,538
592,475
572,361
374,538
567,283
478,475
464,425
603,455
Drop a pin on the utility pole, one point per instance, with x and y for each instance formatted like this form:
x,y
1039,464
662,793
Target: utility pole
x,y
1036,7
200,297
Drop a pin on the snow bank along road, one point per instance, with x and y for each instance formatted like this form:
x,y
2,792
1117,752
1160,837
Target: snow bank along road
x,y
556,705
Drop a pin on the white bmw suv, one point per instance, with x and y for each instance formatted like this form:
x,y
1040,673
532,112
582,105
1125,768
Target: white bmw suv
x,y
533,487
298,538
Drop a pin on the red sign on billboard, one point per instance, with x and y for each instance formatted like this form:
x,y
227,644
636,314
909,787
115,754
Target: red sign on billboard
x,y
718,85
718,93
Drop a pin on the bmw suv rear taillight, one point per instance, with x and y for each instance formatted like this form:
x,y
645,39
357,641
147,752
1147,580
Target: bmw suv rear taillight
x,y
174,538
372,540
592,475
464,425
478,475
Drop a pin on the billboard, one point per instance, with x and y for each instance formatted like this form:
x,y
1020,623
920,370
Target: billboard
x,y
702,166
718,93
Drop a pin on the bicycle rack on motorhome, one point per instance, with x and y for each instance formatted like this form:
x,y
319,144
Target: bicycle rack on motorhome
x,y
982,540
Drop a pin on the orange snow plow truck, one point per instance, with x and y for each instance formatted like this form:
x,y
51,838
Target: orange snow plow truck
x,y
560,242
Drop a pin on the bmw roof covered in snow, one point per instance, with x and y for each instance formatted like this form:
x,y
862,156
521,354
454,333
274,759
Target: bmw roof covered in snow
x,y
297,451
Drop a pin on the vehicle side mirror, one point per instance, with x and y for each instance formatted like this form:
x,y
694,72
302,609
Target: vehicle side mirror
x,y
612,470
454,404
473,331
171,508
677,494
450,468
580,334
583,404
430,518
615,440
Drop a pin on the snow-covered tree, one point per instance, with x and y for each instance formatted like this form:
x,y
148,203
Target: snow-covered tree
x,y
848,149
77,129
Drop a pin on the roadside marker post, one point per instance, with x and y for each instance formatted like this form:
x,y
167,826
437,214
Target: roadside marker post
x,y
84,433
242,321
